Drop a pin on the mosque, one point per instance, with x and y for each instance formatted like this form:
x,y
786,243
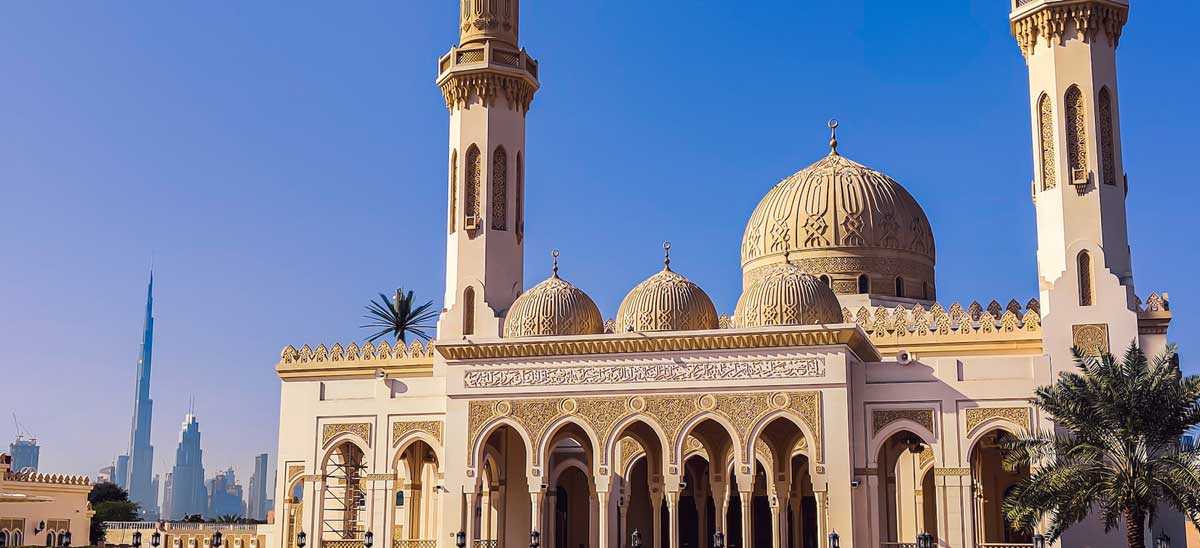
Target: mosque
x,y
840,398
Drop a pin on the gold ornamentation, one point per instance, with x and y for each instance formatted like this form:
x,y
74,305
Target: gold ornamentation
x,y
380,477
473,185
1104,115
459,90
403,428
1091,338
553,307
666,301
655,371
926,456
881,418
1049,23
1077,148
367,354
453,191
294,471
976,416
500,189
951,471
360,429
1046,141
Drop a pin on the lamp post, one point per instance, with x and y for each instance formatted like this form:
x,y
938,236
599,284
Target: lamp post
x,y
835,541
635,539
460,539
216,539
368,539
535,539
1039,541
137,539
718,540
1163,541
301,539
156,539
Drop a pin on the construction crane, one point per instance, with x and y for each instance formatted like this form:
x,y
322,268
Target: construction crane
x,y
22,432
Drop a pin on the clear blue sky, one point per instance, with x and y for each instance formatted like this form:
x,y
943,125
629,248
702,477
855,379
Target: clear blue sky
x,y
284,162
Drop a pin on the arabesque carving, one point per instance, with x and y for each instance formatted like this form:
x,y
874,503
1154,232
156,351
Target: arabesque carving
x,y
332,430
1048,25
403,428
1091,338
655,371
1018,416
367,353
881,418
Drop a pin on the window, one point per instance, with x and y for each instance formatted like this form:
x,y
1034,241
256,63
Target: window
x,y
1107,153
825,280
342,517
864,284
468,304
472,188
1046,140
500,189
453,190
1076,134
899,286
1085,278
520,206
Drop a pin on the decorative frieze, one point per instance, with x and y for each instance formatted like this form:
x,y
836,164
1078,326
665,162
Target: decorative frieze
x,y
332,430
951,472
1084,20
648,372
1018,416
881,418
403,428
1090,338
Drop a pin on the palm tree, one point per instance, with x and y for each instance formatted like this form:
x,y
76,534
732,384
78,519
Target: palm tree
x,y
398,317
1117,449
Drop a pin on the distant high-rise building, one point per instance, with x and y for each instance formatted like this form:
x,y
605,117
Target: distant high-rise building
x,y
105,475
24,453
257,507
167,495
139,482
121,472
188,494
225,496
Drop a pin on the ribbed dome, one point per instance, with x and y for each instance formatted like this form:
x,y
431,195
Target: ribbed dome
x,y
786,295
666,301
553,307
840,219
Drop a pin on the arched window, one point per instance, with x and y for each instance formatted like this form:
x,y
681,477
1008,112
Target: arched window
x,y
50,538
825,280
899,286
1046,140
344,514
864,284
1107,154
3,538
1085,278
1076,134
453,190
500,189
468,304
520,197
472,188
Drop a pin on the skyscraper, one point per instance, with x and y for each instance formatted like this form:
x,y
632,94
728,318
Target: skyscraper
x,y
24,453
257,508
225,496
121,472
186,480
140,482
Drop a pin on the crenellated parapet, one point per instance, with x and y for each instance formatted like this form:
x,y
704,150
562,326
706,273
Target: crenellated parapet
x,y
29,476
356,360
1053,22
938,330
1154,315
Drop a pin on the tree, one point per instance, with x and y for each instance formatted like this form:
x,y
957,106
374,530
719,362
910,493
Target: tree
x,y
110,503
398,317
1117,449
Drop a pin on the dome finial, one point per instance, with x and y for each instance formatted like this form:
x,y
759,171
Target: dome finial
x,y
833,142
554,261
666,255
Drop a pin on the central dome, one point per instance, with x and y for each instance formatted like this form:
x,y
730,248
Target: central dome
x,y
854,227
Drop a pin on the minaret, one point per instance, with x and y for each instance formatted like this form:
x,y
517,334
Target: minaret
x,y
140,483
488,82
1084,269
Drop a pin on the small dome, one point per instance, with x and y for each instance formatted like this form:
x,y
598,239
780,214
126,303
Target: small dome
x,y
846,221
666,301
786,295
553,307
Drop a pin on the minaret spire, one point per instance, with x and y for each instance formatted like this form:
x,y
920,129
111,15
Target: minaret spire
x,y
488,82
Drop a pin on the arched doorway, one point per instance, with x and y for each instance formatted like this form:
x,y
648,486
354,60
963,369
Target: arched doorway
x,y
907,505
293,511
570,500
638,453
344,497
990,483
415,506
503,462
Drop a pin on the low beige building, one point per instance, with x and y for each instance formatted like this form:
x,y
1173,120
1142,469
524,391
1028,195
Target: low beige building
x,y
839,396
184,535
36,509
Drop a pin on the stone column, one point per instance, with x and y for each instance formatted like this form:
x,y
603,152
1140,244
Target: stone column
x,y
796,506
656,500
501,515
549,517
720,496
745,499
602,503
673,516
469,529
776,518
822,521
954,504
701,501
535,509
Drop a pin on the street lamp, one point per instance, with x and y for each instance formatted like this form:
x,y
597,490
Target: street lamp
x,y
301,539
924,540
460,539
368,539
64,539
635,539
156,539
718,540
216,539
535,539
1163,541
835,541
1039,541
137,539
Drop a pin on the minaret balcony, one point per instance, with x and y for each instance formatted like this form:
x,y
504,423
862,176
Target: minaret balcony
x,y
488,57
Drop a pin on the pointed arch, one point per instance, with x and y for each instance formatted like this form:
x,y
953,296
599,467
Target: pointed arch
x,y
472,187
500,189
1076,117
468,311
566,426
1084,261
1046,141
1104,117
899,286
453,190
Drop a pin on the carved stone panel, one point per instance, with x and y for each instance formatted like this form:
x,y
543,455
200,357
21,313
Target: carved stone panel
x,y
1018,416
332,430
659,371
403,428
1090,338
881,418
